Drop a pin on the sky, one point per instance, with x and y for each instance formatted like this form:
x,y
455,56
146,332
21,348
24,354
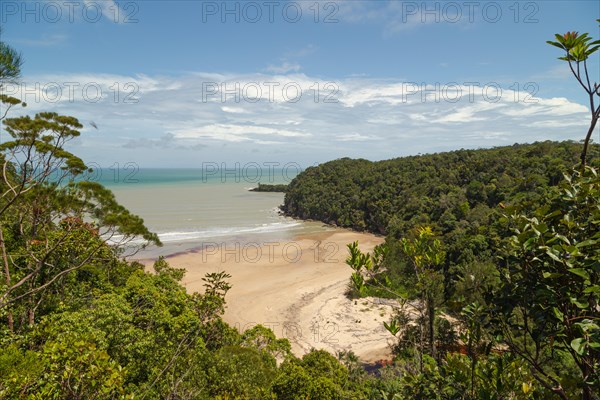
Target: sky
x,y
182,83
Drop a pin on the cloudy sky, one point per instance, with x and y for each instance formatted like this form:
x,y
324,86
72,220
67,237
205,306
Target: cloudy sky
x,y
178,83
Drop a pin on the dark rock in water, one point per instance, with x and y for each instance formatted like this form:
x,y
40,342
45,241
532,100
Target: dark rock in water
x,y
270,188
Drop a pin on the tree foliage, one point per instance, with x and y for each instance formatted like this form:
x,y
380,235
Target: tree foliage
x,y
548,300
578,49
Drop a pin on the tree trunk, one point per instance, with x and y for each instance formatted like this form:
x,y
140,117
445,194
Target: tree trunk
x,y
31,309
11,321
431,316
588,394
6,270
31,316
587,140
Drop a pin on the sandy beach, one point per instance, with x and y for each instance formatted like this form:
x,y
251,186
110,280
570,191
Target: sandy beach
x,y
296,288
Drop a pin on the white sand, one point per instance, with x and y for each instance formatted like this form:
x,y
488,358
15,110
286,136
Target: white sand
x,y
296,288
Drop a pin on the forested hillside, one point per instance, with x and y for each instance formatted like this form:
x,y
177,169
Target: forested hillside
x,y
444,189
455,193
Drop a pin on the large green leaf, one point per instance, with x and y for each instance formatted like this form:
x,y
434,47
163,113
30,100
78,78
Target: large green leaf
x,y
580,272
579,345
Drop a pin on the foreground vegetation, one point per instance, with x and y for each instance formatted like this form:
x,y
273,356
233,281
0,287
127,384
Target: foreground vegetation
x,y
494,255
528,319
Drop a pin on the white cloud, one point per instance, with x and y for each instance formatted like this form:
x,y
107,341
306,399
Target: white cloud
x,y
110,11
557,106
234,110
284,68
558,123
46,40
233,133
154,119
470,113
464,115
399,16
354,137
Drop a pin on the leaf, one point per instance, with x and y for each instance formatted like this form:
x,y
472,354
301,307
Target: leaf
x,y
357,280
595,289
555,44
543,228
388,282
579,304
579,345
552,275
553,256
589,242
580,272
563,238
558,314
392,327
557,212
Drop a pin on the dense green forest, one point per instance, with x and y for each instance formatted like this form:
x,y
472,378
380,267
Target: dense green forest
x,y
458,194
445,190
493,256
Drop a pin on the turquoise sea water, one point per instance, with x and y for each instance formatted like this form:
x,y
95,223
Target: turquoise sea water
x,y
190,208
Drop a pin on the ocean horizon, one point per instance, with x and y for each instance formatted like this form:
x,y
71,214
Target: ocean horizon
x,y
191,208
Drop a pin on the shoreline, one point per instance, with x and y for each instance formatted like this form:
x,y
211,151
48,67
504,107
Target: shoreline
x,y
296,287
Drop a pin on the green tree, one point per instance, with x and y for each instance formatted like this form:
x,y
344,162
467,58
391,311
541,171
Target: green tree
x,y
241,373
10,63
293,383
548,301
547,307
264,339
578,48
10,72
318,375
427,257
43,207
44,200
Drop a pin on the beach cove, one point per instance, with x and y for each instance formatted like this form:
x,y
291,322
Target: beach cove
x,y
286,274
296,288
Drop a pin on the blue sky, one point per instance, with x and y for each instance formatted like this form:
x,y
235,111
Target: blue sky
x,y
177,83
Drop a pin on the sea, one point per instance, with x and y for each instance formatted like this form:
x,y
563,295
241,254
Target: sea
x,y
192,208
